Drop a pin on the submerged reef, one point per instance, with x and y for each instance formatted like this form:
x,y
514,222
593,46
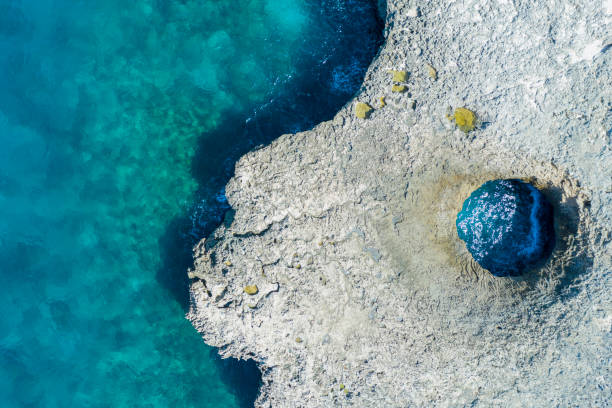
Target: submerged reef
x,y
507,226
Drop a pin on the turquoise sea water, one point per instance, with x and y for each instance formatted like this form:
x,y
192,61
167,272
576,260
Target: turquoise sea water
x,y
119,126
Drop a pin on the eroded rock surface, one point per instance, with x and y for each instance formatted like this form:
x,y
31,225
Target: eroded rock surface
x,y
366,296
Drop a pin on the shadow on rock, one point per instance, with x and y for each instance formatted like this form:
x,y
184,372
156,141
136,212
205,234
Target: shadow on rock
x,y
571,258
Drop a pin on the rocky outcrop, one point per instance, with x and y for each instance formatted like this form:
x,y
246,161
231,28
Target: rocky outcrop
x,y
365,295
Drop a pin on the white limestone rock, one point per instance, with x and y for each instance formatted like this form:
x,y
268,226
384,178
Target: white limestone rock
x,y
389,307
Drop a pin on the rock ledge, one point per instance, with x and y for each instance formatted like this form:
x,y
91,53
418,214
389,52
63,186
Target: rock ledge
x,y
365,295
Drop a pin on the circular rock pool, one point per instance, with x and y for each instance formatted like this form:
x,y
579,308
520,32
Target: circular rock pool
x,y
507,226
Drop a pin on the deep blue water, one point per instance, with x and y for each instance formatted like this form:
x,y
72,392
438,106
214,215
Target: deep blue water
x,y
120,123
507,226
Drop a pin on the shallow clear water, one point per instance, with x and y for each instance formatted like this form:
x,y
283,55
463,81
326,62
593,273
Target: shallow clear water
x,y
119,126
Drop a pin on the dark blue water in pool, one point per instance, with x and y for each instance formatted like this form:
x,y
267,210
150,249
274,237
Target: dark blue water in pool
x,y
507,226
119,126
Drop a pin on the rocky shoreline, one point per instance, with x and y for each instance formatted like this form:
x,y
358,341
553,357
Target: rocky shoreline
x,y
360,292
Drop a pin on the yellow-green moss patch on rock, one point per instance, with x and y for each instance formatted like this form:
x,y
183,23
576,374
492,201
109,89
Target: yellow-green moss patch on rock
x,y
363,110
399,88
432,72
382,102
251,289
465,119
399,76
